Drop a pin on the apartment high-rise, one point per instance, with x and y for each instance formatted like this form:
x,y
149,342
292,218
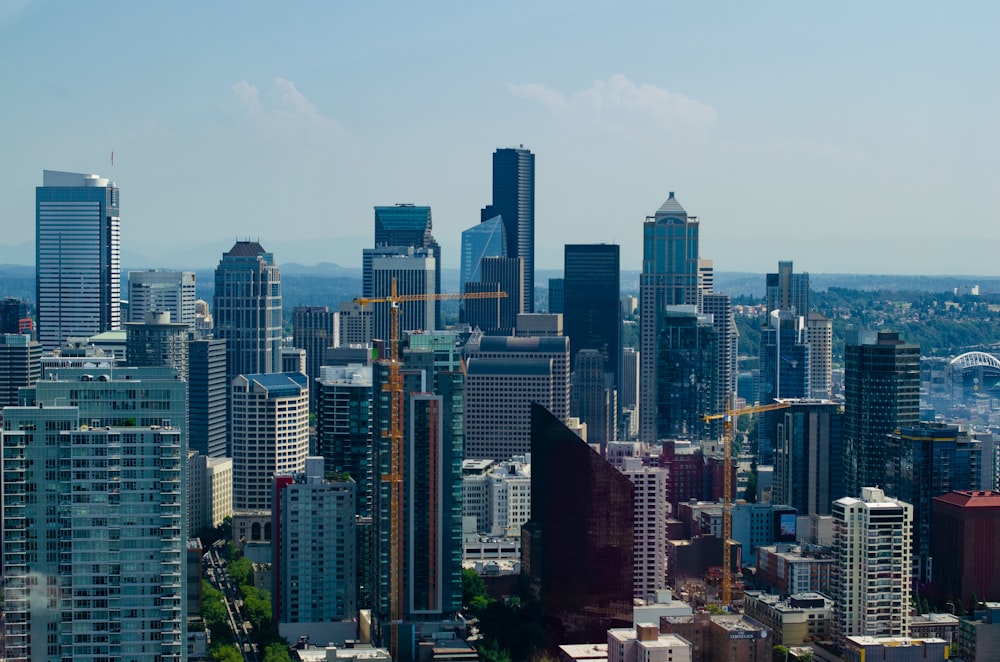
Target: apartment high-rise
x,y
881,394
247,309
77,257
315,573
344,427
592,317
669,278
720,307
270,434
355,324
514,202
819,335
487,239
871,574
157,291
650,536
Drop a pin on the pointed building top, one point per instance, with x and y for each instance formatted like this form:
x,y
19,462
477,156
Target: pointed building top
x,y
671,208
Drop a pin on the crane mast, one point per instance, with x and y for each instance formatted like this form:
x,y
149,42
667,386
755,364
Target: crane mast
x,y
394,478
726,594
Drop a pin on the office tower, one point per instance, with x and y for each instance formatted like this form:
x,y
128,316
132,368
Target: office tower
x,y
12,312
428,574
688,359
207,406
156,341
966,536
871,574
819,335
720,307
210,491
577,549
557,295
343,426
539,324
248,309
784,372
592,320
669,278
650,535
156,291
808,467
415,271
355,324
498,498
881,394
592,398
505,375
77,257
706,276
315,573
514,202
409,226
270,434
314,329
925,461
487,239
20,366
787,290
98,581
495,316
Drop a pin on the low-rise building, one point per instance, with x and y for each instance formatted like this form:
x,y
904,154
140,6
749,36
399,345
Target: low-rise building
x,y
645,643
794,620
721,638
935,626
788,569
979,634
894,649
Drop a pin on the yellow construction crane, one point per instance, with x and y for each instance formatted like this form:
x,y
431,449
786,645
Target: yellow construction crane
x,y
395,433
727,484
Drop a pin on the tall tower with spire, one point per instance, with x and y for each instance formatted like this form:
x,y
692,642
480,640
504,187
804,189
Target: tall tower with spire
x,y
669,278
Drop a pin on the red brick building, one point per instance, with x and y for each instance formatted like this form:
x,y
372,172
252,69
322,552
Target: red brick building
x,y
965,543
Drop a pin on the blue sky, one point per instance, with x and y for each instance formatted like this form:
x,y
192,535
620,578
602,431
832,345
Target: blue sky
x,y
848,137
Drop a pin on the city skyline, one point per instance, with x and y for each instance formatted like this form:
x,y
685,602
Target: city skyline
x,y
815,123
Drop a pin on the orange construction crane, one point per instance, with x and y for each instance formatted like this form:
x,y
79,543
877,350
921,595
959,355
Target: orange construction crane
x,y
727,485
395,434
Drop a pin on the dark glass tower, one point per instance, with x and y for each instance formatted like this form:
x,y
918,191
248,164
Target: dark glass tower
x,y
881,395
496,317
207,388
669,278
514,201
687,361
577,549
592,317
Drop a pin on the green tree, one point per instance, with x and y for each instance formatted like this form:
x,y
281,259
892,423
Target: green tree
x,y
489,651
225,653
277,652
473,586
241,570
257,604
214,612
974,602
780,653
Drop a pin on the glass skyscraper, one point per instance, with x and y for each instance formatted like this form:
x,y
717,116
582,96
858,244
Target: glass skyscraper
x,y
669,278
514,201
248,309
409,226
487,239
77,256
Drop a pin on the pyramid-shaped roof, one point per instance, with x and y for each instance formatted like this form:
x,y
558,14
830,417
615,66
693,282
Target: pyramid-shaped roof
x,y
671,208
246,249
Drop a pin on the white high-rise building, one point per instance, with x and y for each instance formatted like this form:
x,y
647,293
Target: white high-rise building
x,y
77,257
819,335
158,291
270,434
650,534
873,538
500,498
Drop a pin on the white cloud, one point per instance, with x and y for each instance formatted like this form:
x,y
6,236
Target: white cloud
x,y
282,110
619,103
